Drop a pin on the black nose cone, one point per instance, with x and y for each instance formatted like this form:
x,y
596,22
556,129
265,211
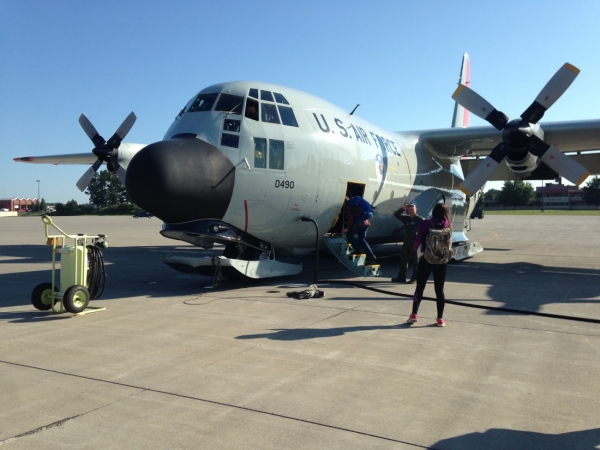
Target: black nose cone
x,y
181,180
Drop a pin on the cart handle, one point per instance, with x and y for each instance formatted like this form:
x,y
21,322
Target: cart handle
x,y
48,221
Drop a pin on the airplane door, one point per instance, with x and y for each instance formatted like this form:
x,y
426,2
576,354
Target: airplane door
x,y
352,190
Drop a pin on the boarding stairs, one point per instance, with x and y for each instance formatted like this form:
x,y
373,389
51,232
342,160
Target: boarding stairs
x,y
343,251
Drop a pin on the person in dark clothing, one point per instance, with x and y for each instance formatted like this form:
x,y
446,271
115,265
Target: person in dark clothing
x,y
440,219
408,215
358,213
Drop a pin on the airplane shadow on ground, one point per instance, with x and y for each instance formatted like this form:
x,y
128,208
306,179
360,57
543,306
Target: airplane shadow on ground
x,y
500,439
140,272
131,272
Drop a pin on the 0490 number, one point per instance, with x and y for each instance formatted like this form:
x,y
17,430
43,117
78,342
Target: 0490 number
x,y
284,184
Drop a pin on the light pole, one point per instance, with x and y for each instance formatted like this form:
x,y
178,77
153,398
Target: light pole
x,y
38,198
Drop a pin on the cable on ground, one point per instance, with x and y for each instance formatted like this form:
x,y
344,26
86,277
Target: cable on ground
x,y
470,305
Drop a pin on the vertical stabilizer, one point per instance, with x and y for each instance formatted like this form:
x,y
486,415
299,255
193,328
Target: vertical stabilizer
x,y
461,117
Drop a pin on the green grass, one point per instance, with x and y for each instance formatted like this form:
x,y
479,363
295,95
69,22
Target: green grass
x,y
547,212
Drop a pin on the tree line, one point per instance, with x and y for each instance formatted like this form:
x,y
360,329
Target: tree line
x,y
107,196
521,193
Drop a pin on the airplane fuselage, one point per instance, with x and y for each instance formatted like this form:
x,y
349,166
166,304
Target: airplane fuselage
x,y
294,157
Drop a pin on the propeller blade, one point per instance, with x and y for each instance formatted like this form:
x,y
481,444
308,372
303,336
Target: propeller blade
x,y
121,174
114,167
556,87
564,165
468,98
120,134
84,181
91,131
105,151
479,176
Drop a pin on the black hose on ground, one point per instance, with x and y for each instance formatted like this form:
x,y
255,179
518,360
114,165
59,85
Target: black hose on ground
x,y
470,305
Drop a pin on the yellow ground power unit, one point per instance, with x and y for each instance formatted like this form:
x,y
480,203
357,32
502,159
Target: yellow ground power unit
x,y
81,277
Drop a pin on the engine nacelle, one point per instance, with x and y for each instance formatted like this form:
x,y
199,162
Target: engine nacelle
x,y
518,134
522,162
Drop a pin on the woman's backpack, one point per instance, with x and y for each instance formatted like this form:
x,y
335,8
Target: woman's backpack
x,y
438,246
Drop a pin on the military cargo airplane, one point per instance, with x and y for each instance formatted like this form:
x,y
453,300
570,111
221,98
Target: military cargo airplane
x,y
247,163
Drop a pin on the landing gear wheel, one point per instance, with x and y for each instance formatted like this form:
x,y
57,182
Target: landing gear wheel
x,y
41,297
76,299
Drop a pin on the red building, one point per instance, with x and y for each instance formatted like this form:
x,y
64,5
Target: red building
x,y
559,196
18,204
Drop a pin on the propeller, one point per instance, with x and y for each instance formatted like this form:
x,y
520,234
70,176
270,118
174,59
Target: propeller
x,y
518,135
105,151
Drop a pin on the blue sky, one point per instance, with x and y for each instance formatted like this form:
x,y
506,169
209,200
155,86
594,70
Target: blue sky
x,y
399,60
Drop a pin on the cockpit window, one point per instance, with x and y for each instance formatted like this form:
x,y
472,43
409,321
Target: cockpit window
x,y
287,116
204,102
276,154
280,98
230,103
231,125
251,109
269,113
266,95
260,153
273,112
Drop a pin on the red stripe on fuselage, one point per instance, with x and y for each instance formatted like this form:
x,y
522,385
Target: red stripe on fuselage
x,y
466,114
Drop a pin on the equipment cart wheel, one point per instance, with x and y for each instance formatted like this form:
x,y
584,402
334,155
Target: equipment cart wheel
x,y
41,297
76,299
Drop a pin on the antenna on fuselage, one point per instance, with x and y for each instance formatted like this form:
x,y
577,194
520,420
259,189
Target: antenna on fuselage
x,y
357,105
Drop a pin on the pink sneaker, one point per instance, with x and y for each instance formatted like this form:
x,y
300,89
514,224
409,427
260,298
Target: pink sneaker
x,y
440,322
412,318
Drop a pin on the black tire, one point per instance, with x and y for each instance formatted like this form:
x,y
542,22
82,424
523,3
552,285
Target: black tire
x,y
76,299
41,296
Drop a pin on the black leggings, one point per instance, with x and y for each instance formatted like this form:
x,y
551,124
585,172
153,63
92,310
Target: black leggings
x,y
439,276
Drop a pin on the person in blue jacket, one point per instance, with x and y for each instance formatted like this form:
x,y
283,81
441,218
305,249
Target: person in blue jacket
x,y
358,213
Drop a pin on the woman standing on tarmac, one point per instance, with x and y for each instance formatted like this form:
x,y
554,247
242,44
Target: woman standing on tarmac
x,y
439,219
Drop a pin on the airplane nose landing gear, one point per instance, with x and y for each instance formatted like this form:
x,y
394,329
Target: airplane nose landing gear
x,y
181,180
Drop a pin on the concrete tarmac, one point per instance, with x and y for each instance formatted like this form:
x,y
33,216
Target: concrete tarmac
x,y
175,363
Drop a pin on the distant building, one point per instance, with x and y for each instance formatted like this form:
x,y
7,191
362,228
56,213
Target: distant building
x,y
552,196
490,203
18,204
559,196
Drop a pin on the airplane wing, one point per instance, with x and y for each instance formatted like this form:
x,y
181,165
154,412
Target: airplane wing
x,y
114,153
471,144
126,151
